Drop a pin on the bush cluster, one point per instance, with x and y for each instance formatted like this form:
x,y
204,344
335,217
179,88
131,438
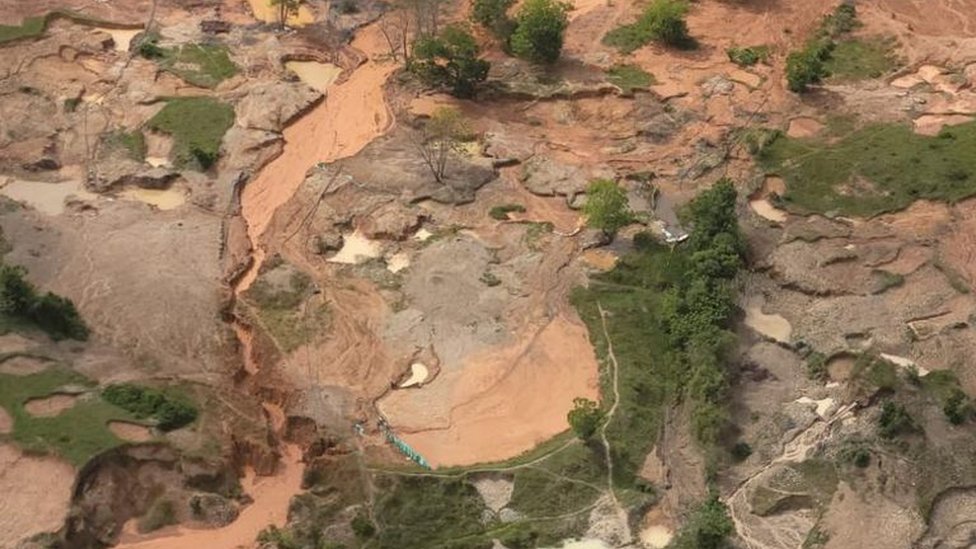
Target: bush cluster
x,y
697,311
449,59
145,402
54,314
808,65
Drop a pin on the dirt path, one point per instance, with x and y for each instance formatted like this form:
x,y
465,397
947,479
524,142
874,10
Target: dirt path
x,y
613,407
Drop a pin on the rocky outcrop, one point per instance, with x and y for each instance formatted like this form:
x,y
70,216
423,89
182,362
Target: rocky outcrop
x,y
544,176
271,106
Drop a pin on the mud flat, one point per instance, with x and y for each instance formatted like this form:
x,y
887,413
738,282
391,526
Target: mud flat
x,y
47,198
163,199
131,432
36,494
760,203
319,76
50,406
121,37
932,124
772,326
356,248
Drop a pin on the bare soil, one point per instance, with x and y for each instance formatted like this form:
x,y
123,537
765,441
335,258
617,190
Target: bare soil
x,y
50,406
37,494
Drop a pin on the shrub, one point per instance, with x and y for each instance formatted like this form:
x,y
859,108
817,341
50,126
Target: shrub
x,y
707,528
493,16
450,59
806,67
363,527
895,420
956,407
748,56
540,25
54,314
145,402
501,211
606,206
585,418
741,451
662,21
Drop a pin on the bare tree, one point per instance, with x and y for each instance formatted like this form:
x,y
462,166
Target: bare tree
x,y
410,20
441,138
285,8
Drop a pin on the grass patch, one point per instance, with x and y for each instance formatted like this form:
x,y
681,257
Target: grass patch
x,y
197,125
203,65
860,59
34,27
286,309
501,211
630,78
427,512
661,21
30,27
876,169
134,143
76,434
749,55
539,492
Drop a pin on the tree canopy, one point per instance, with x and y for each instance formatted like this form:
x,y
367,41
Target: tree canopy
x,y
450,59
606,206
538,36
585,418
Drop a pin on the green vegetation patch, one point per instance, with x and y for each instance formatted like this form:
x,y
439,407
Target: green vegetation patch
x,y
23,306
810,484
198,125
860,59
167,409
876,169
33,27
539,492
629,77
30,27
134,143
77,433
749,55
429,512
284,304
203,65
501,211
661,21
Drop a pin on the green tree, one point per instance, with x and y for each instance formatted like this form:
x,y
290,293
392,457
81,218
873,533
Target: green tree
x,y
585,418
707,528
540,25
285,9
606,206
665,20
450,59
493,16
16,293
806,67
